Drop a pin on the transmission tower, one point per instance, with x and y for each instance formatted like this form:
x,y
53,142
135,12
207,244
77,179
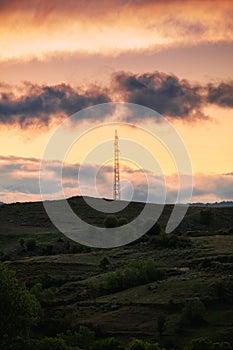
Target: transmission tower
x,y
116,186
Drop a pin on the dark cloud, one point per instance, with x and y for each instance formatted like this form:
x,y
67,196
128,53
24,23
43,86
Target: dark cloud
x,y
39,104
221,94
165,93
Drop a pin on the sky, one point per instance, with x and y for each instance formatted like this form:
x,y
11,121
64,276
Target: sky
x,y
60,57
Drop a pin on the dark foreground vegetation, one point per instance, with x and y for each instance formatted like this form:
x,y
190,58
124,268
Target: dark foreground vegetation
x,y
164,291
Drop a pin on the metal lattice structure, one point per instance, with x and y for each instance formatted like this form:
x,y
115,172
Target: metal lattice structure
x,y
116,186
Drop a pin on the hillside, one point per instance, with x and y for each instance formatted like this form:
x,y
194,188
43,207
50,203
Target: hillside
x,y
125,292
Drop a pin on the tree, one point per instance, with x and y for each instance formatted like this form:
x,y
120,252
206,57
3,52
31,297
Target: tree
x,y
110,221
104,263
122,221
19,309
31,244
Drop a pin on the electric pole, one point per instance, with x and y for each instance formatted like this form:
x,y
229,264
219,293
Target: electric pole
x,y
116,186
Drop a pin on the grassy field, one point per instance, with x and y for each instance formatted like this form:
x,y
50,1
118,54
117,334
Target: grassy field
x,y
199,270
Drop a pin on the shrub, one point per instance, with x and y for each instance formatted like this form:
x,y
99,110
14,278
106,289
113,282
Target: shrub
x,y
107,344
45,296
31,244
138,344
53,344
3,256
201,344
74,248
104,263
206,344
222,346
166,240
133,275
110,221
193,312
22,242
154,230
83,338
122,221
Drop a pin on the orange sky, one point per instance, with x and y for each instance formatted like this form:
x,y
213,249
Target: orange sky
x,y
82,45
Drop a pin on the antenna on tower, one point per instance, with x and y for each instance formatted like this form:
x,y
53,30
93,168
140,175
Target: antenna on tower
x,y
116,186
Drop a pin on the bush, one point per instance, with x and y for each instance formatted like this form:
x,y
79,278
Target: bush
x,y
75,248
45,296
122,221
49,249
206,344
193,312
133,275
222,346
104,263
83,338
201,344
53,344
31,244
110,221
166,240
137,344
107,344
22,242
154,230
3,256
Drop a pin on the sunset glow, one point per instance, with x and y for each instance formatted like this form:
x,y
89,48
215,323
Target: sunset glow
x,y
57,58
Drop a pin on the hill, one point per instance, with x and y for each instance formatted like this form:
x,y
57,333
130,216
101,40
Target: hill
x,y
182,281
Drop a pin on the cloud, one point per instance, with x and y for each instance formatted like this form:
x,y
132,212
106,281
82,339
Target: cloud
x,y
221,94
19,178
38,104
165,93
109,26
211,188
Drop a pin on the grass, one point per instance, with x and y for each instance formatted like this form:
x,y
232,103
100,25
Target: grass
x,y
189,272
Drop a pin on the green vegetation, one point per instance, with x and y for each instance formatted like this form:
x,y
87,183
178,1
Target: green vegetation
x,y
193,313
110,221
135,274
163,291
19,309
